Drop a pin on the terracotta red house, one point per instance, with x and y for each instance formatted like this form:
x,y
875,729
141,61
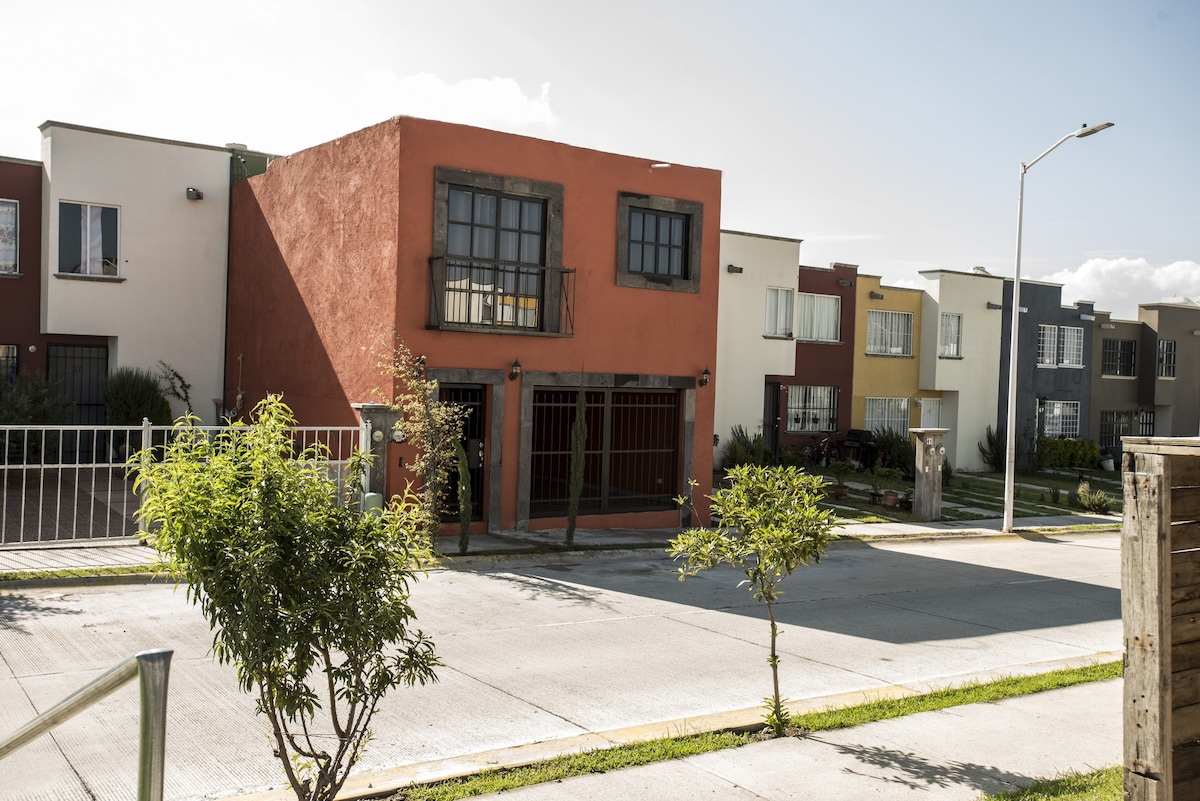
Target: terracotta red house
x,y
487,252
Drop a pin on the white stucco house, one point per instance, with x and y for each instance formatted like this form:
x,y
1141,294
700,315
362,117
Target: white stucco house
x,y
755,327
135,237
960,357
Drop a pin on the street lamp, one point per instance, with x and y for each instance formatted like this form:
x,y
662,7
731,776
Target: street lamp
x,y
1011,451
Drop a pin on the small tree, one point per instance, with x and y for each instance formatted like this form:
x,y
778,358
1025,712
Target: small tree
x,y
464,497
578,446
429,424
307,598
176,387
770,525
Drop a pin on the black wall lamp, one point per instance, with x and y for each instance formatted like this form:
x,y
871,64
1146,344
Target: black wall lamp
x,y
419,366
515,372
194,194
705,377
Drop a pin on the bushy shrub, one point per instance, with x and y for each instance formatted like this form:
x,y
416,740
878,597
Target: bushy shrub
x,y
745,449
131,394
33,400
1053,452
897,450
1095,501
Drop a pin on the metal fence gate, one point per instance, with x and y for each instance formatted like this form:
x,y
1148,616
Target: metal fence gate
x,y
68,484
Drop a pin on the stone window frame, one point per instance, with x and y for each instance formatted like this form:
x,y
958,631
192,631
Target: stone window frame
x,y
550,193
692,210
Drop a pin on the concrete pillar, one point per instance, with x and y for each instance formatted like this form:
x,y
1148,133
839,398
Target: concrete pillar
x,y
927,497
383,420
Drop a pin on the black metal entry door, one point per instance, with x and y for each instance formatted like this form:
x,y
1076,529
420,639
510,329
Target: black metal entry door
x,y
79,371
473,398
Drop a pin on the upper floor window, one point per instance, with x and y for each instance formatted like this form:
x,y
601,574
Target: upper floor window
x,y
1060,419
950,335
1047,345
819,317
8,363
497,252
658,242
889,332
1071,339
1166,358
886,414
87,239
1118,357
779,312
8,236
812,409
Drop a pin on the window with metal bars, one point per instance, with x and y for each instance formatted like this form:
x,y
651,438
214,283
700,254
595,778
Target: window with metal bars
x,y
8,363
1118,357
1060,419
812,409
1166,358
658,242
889,333
631,456
1047,345
8,236
1114,424
1071,339
887,414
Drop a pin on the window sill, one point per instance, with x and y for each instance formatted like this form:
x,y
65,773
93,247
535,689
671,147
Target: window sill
x,y
11,275
1047,367
496,329
1166,378
952,358
778,337
111,279
1072,366
892,355
820,341
1121,377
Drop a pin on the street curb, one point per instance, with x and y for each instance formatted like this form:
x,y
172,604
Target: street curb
x,y
103,580
384,781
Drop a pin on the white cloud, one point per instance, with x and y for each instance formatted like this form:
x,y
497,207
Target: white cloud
x,y
489,102
1119,285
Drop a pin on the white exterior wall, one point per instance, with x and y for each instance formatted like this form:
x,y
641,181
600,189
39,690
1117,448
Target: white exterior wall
x,y
744,356
970,384
168,303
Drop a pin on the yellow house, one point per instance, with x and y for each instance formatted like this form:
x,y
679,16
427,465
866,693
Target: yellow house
x,y
887,360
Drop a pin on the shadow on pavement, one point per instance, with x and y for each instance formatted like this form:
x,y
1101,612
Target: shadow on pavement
x,y
916,772
15,608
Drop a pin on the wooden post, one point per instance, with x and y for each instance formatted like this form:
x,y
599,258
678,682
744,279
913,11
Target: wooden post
x,y
1145,599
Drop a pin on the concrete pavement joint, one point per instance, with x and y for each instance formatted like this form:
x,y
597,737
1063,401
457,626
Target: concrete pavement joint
x,y
389,780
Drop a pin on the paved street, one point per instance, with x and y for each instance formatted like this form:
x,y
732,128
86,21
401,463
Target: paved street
x,y
562,652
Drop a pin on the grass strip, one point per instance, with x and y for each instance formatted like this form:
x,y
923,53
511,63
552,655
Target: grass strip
x,y
1101,785
76,572
644,753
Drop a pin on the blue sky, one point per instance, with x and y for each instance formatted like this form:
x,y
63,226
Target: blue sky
x,y
885,134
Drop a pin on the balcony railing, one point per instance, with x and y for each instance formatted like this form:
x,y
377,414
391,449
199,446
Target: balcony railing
x,y
501,296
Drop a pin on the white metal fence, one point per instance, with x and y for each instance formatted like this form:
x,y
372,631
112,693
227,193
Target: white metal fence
x,y
70,484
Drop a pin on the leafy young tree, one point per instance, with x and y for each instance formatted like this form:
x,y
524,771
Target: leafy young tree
x,y
578,446
464,497
770,525
431,425
308,598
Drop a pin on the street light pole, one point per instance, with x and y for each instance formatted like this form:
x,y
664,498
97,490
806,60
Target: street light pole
x,y
1010,464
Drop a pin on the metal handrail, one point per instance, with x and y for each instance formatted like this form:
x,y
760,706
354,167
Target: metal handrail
x,y
153,669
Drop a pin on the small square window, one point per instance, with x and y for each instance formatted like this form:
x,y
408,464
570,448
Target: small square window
x,y
658,242
87,239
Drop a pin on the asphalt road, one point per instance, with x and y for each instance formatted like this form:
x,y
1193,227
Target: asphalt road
x,y
535,653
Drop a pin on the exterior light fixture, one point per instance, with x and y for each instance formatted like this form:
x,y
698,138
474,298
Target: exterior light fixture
x,y
515,371
1011,449
705,377
419,367
194,194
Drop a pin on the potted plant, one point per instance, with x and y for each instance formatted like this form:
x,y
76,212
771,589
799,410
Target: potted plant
x,y
839,469
889,478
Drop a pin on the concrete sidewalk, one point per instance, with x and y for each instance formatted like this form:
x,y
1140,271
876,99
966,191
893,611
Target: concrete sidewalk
x,y
951,755
127,552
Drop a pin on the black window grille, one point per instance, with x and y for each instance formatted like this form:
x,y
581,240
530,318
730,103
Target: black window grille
x,y
1118,357
631,456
